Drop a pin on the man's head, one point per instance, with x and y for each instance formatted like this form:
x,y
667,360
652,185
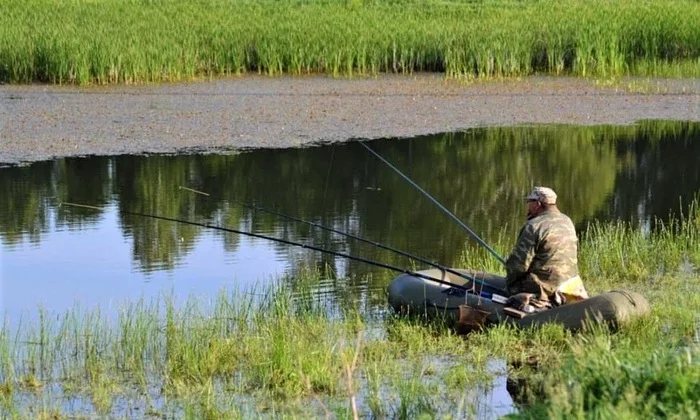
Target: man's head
x,y
540,200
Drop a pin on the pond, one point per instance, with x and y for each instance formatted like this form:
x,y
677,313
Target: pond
x,y
56,256
82,266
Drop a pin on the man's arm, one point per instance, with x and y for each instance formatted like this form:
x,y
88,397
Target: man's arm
x,y
522,255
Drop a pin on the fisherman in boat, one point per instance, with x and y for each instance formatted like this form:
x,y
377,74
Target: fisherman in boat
x,y
543,266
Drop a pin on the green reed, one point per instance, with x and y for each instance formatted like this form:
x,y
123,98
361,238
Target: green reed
x,y
225,358
113,41
650,368
277,351
621,252
615,380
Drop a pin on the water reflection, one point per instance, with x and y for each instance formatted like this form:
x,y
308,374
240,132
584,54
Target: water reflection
x,y
631,173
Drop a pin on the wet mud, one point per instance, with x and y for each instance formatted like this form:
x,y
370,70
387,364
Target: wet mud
x,y
39,122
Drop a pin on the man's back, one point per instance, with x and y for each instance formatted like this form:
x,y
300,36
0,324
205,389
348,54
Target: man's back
x,y
547,248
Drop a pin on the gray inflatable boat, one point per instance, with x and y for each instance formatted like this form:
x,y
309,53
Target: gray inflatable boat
x,y
472,304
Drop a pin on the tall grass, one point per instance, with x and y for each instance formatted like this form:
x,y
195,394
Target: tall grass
x,y
651,368
112,41
614,380
618,252
270,351
281,353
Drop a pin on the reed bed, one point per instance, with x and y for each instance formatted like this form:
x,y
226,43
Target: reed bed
x,y
287,352
651,368
117,41
270,353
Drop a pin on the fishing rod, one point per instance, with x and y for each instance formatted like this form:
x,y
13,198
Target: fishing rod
x,y
437,203
286,242
358,238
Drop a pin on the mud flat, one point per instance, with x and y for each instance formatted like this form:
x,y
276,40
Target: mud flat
x,y
39,122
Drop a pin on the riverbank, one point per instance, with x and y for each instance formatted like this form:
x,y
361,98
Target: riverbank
x,y
40,122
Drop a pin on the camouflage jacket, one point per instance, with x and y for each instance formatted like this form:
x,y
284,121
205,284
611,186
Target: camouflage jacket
x,y
546,253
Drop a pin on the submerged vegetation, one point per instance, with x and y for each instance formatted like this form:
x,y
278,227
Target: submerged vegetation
x,y
113,41
282,352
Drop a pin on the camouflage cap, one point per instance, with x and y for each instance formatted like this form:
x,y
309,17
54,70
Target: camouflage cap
x,y
543,195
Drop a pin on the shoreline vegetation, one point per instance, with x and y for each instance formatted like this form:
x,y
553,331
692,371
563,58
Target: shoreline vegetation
x,y
140,41
283,352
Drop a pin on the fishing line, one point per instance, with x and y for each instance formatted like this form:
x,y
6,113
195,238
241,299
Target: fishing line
x,y
328,175
283,241
437,203
471,278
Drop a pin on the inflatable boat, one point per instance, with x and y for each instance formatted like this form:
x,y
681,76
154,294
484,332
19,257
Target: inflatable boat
x,y
469,300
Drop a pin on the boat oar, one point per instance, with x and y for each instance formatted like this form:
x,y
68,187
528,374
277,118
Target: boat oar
x,y
283,241
440,206
358,238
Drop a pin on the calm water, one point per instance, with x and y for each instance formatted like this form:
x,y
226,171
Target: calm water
x,y
58,256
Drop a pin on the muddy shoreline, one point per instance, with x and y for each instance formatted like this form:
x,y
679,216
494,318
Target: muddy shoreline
x,y
43,122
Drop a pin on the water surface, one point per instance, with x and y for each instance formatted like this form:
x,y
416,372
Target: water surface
x,y
57,256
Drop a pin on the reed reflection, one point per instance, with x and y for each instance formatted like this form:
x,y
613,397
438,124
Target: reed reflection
x,y
631,173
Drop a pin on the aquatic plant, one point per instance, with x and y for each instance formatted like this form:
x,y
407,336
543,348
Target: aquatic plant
x,y
108,41
283,351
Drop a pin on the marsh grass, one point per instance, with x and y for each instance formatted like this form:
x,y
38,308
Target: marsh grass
x,y
278,351
289,364
271,352
114,41
650,368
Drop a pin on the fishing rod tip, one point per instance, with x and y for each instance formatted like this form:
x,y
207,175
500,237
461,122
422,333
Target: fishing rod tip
x,y
193,190
85,206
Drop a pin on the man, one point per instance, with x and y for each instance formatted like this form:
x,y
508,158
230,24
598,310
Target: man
x,y
544,260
